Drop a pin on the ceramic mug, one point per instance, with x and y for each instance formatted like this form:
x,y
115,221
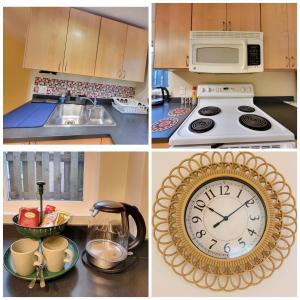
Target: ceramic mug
x,y
24,253
56,252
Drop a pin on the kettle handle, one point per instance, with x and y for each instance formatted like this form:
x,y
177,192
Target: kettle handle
x,y
166,96
140,225
163,90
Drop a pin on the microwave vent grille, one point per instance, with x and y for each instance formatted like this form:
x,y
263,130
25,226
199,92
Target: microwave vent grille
x,y
225,35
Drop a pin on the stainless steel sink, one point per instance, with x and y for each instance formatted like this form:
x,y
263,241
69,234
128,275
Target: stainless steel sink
x,y
72,115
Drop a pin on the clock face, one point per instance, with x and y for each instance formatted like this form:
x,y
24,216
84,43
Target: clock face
x,y
225,218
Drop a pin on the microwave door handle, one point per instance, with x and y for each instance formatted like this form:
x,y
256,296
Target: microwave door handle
x,y
244,55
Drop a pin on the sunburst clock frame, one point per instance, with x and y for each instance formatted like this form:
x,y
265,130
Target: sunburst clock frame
x,y
203,245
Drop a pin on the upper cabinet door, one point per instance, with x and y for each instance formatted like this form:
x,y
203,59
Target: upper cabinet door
x,y
112,41
209,16
292,28
172,27
276,41
135,57
243,17
46,38
82,41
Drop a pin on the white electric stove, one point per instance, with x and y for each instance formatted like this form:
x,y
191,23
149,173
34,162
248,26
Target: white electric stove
x,y
226,117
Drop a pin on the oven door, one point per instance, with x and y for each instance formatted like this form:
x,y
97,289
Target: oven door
x,y
221,57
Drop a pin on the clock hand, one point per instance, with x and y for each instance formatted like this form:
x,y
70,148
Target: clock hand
x,y
225,218
240,207
211,209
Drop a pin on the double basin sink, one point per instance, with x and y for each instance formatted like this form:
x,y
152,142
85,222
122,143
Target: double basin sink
x,y
72,115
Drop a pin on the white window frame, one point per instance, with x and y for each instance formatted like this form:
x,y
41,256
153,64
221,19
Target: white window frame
x,y
79,210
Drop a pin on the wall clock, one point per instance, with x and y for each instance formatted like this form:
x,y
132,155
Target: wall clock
x,y
224,220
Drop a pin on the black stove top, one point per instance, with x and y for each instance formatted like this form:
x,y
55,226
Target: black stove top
x,y
246,109
202,125
255,122
209,111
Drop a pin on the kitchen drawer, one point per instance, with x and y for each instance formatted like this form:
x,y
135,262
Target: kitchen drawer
x,y
83,141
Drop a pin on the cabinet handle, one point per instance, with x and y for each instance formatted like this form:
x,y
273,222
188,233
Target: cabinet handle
x,y
229,25
119,73
187,61
288,61
224,26
124,74
293,61
59,66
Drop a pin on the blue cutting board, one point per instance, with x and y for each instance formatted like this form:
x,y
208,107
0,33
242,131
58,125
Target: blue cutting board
x,y
29,115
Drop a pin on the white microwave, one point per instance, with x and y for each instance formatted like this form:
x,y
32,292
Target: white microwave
x,y
226,52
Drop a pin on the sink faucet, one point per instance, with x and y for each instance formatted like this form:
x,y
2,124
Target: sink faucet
x,y
93,101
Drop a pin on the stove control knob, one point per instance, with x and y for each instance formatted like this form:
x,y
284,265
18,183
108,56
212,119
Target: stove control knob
x,y
209,90
203,90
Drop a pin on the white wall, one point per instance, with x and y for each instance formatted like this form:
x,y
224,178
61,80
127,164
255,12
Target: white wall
x,y
141,89
166,283
265,84
124,178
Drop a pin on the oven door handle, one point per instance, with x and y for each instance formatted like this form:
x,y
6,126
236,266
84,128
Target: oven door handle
x,y
245,55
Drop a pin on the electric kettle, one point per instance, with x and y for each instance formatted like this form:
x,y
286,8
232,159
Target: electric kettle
x,y
159,95
109,239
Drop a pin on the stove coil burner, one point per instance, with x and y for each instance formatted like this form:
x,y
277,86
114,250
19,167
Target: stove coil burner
x,y
246,109
255,122
209,111
202,125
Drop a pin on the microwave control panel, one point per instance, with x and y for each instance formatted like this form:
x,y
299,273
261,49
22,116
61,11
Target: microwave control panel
x,y
253,55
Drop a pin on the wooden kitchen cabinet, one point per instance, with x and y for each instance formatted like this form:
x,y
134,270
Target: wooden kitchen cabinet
x,y
106,141
173,22
122,51
135,56
112,42
243,16
292,29
17,143
73,41
82,42
46,38
278,23
222,17
209,16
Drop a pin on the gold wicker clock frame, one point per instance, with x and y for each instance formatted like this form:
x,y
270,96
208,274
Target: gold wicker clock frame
x,y
203,270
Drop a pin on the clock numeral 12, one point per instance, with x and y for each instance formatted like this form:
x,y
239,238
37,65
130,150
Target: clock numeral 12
x,y
224,191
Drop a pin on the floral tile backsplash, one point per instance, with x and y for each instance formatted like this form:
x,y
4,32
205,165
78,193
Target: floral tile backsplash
x,y
89,89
